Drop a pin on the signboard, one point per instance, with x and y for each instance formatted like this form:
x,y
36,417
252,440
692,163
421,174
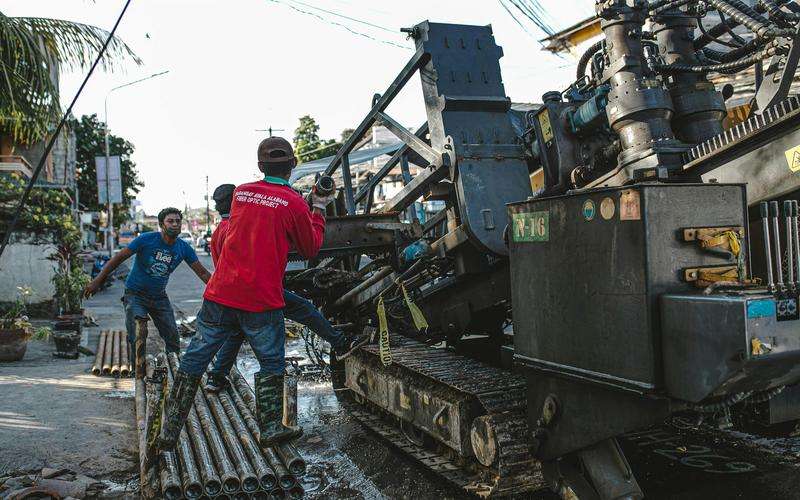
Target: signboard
x,y
114,181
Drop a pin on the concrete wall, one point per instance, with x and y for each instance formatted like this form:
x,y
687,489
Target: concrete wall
x,y
26,264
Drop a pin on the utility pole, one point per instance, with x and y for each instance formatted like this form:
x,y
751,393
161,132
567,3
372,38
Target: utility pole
x,y
208,210
270,130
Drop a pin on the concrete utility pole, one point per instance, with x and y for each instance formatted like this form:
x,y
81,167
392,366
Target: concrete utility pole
x,y
208,210
109,205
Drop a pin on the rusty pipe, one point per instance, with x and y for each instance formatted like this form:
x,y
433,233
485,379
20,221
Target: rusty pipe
x,y
277,493
212,485
140,350
244,398
227,473
241,495
379,275
296,491
107,353
97,367
170,478
115,354
156,385
247,476
265,475
125,362
260,495
189,475
291,458
147,476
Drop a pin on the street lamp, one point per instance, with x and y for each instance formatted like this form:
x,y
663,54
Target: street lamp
x,y
109,205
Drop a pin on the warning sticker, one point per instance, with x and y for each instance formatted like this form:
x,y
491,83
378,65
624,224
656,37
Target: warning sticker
x,y
793,158
544,123
607,208
530,226
629,206
588,210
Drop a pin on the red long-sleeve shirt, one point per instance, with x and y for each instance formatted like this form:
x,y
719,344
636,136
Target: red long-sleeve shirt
x,y
267,217
217,238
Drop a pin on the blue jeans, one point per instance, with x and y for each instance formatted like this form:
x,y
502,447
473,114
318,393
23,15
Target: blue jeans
x,y
296,309
215,323
159,308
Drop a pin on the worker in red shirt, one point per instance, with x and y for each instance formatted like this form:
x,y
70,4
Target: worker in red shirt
x,y
245,292
296,308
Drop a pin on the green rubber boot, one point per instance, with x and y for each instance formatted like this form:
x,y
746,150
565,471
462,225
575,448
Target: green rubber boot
x,y
176,409
269,411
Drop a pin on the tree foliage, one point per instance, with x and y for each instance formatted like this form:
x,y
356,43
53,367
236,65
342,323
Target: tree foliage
x,y
47,213
32,49
307,144
90,142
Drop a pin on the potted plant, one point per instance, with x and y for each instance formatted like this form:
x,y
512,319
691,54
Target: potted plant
x,y
69,278
15,329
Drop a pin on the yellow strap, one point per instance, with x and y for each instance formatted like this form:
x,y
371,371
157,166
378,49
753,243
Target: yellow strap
x,y
709,275
733,240
729,238
420,323
383,333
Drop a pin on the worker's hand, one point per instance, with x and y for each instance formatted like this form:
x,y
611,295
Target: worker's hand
x,y
91,288
321,202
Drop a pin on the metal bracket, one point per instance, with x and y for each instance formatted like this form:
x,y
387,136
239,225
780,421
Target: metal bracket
x,y
778,78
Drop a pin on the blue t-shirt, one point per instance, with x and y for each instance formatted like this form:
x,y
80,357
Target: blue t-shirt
x,y
155,261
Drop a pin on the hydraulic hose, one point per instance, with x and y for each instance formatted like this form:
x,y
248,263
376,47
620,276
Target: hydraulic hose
x,y
774,11
712,33
748,17
737,53
586,57
674,4
731,66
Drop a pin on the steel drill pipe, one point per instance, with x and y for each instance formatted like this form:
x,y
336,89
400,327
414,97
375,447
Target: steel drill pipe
x,y
107,353
266,477
97,367
247,476
296,491
115,354
241,496
212,485
225,469
245,402
170,478
277,493
297,465
125,362
156,386
260,495
140,347
147,477
190,477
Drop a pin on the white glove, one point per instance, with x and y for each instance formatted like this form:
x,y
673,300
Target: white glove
x,y
321,202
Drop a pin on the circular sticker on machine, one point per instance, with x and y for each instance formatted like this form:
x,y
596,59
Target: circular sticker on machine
x,y
607,208
588,210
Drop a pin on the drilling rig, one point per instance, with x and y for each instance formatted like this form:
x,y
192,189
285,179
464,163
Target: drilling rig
x,y
654,272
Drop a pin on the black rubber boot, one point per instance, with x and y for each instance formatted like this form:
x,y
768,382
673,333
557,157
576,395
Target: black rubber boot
x,y
269,411
216,382
176,409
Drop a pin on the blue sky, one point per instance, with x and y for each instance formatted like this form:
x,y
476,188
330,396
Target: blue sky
x,y
238,66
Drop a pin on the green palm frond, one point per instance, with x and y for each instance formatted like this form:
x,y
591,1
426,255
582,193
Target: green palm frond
x,y
32,49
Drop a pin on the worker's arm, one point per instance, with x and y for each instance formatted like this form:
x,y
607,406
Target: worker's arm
x,y
109,268
307,231
201,271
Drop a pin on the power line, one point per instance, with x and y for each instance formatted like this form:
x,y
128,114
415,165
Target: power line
x,y
55,135
348,28
346,17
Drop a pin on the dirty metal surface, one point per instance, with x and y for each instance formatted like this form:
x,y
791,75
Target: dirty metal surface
x,y
498,394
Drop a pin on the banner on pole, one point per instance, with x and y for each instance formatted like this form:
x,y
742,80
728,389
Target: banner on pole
x,y
114,181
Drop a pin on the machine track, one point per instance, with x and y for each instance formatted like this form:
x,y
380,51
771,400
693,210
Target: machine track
x,y
494,396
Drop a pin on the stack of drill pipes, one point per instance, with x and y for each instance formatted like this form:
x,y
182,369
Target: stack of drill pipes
x,y
115,354
170,478
266,476
247,476
285,479
125,362
97,367
107,353
190,477
212,485
284,455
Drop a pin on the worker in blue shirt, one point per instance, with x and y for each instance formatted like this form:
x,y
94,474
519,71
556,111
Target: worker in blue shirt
x,y
157,255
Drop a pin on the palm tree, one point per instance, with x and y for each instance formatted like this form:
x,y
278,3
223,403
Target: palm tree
x,y
32,50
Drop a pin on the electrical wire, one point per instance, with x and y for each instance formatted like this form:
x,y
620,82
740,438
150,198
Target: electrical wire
x,y
57,132
348,28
